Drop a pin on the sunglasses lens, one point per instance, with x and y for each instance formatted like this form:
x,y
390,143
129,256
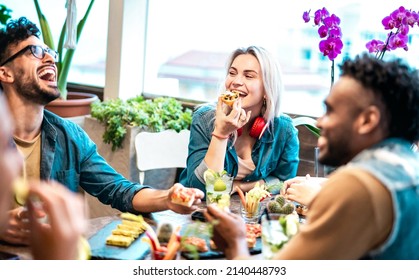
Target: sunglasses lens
x,y
53,54
37,51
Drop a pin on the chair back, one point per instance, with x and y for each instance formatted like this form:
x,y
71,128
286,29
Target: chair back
x,y
156,150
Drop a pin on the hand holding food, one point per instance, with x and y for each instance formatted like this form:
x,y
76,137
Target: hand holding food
x,y
229,97
183,196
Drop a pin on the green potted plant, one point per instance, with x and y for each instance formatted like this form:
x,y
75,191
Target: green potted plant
x,y
114,124
65,58
152,115
309,123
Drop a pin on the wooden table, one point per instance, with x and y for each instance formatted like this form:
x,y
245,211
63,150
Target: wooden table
x,y
94,225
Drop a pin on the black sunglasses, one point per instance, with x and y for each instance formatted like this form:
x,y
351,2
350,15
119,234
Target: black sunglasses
x,y
37,51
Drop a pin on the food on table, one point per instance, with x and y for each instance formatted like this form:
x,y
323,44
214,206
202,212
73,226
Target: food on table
x,y
213,246
132,217
199,243
136,225
119,240
135,229
229,97
301,209
254,229
183,196
164,232
254,197
21,189
127,231
166,250
251,241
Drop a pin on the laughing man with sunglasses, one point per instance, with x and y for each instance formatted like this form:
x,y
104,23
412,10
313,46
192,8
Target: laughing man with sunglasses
x,y
54,148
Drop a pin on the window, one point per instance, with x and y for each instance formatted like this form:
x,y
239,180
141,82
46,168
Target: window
x,y
88,66
188,42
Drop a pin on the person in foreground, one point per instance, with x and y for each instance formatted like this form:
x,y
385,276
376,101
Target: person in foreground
x,y
368,207
59,238
251,140
55,148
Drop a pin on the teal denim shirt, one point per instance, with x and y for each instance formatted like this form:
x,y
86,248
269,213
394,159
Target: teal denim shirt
x,y
276,154
395,164
70,157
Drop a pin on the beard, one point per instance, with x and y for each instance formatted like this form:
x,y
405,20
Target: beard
x,y
32,92
337,153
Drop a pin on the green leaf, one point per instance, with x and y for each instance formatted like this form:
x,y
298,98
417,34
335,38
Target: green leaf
x,y
150,114
65,56
308,122
4,14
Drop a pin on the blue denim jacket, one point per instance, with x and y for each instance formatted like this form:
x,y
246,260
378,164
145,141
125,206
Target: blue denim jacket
x,y
276,154
70,157
395,164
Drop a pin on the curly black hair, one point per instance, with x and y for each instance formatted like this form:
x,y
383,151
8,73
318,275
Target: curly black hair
x,y
396,86
15,32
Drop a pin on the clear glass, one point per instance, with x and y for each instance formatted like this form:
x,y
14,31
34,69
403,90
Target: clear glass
x,y
250,215
218,195
273,236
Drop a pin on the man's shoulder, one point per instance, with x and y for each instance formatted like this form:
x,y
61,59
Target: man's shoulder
x,y
61,124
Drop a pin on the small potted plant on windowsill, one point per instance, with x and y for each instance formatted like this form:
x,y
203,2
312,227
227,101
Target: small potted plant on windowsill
x,y
69,104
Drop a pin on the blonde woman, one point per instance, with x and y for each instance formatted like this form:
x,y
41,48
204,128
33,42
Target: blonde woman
x,y
252,140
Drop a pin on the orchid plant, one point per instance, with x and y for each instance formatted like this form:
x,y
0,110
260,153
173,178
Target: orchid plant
x,y
329,31
399,23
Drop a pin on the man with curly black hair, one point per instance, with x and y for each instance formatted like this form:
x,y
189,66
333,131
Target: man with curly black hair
x,y
369,206
55,148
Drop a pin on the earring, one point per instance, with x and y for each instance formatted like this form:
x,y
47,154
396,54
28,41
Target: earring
x,y
263,110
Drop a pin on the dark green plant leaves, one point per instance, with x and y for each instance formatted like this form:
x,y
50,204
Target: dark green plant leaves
x,y
152,115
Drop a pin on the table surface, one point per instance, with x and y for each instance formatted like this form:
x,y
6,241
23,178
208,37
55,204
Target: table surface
x,y
94,225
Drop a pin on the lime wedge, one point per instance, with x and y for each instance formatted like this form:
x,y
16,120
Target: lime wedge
x,y
209,176
219,185
21,190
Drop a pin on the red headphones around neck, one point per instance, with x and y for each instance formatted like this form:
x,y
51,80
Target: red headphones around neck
x,y
258,127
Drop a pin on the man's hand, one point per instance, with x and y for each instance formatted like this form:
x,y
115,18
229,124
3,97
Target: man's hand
x,y
182,209
17,227
229,232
